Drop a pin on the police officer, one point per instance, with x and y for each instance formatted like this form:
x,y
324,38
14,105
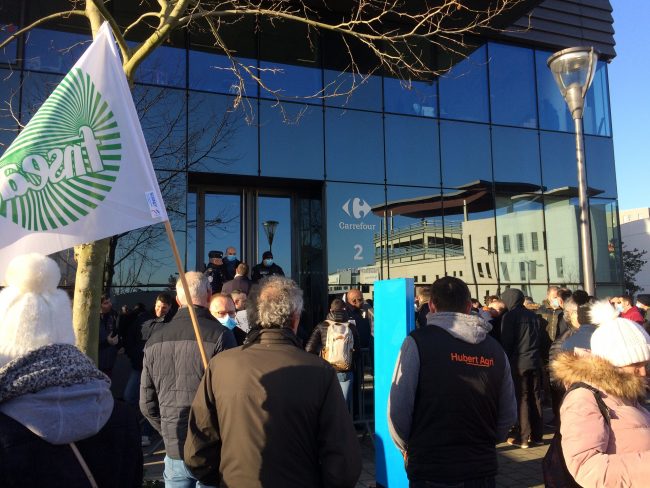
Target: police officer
x,y
214,271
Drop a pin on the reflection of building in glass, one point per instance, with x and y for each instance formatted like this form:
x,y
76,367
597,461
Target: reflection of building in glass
x,y
635,233
529,247
495,116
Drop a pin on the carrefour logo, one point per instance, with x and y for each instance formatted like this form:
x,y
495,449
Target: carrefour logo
x,y
359,208
65,162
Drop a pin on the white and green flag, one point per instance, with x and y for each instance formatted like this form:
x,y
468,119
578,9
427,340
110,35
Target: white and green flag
x,y
80,170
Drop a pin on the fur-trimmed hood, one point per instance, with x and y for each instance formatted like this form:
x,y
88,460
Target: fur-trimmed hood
x,y
569,368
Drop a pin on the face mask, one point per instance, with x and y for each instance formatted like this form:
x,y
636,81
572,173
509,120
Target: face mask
x,y
228,321
619,308
231,257
268,262
555,302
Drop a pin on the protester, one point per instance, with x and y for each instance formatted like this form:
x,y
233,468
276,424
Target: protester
x,y
172,370
422,297
239,282
53,399
317,344
222,308
613,451
452,399
627,309
135,339
520,338
240,298
269,413
108,335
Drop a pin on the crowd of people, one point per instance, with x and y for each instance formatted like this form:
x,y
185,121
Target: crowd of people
x,y
271,411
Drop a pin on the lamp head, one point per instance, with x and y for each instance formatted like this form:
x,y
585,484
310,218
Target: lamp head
x,y
573,70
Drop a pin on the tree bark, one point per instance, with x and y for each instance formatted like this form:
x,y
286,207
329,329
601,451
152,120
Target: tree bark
x,y
87,292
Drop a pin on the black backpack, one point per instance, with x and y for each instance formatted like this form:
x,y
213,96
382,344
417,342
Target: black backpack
x,y
556,474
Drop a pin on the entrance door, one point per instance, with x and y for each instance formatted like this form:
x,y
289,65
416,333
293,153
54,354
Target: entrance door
x,y
250,220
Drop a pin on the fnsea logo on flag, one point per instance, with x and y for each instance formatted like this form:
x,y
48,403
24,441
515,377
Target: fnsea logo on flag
x,y
65,161
80,170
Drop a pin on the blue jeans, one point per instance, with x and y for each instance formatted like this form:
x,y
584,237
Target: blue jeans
x,y
176,475
346,381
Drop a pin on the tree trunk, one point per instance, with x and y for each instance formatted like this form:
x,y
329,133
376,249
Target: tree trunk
x,y
87,291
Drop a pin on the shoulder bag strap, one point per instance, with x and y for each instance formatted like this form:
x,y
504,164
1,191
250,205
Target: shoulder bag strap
x,y
83,464
604,409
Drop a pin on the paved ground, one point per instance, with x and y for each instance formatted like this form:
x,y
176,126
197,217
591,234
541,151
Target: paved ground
x,y
518,468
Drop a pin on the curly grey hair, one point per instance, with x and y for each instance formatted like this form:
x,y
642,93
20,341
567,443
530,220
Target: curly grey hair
x,y
274,302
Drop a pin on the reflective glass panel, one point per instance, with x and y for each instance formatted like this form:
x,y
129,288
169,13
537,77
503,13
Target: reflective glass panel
x,y
520,221
412,151
346,90
278,209
596,115
222,222
36,88
512,85
553,111
414,244
144,256
465,153
464,91
164,66
604,239
9,88
353,234
601,173
562,239
214,72
54,51
354,146
286,81
162,116
515,154
414,98
469,225
8,53
190,255
291,138
223,139
558,152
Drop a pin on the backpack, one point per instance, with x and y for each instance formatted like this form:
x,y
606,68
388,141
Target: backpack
x,y
556,474
339,346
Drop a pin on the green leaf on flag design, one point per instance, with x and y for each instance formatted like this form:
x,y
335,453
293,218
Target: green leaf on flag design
x,y
64,163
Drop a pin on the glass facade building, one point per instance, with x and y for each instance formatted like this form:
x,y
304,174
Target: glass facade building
x,y
471,174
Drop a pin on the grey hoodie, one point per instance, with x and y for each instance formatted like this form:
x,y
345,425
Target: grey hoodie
x,y
468,328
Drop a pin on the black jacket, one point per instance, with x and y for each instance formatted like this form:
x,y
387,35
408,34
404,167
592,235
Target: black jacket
x,y
241,283
229,269
113,455
520,333
362,323
260,271
172,370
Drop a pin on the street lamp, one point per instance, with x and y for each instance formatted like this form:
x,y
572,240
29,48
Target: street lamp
x,y
573,70
269,230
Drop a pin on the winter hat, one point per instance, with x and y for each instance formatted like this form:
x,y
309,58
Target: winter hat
x,y
33,312
618,340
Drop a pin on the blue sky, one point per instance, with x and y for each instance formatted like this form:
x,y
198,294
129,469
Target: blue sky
x,y
629,86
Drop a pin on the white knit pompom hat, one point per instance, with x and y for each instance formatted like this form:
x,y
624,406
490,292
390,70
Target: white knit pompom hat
x,y
33,312
620,341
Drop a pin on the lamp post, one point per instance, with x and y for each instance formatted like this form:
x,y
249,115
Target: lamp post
x,y
573,70
269,230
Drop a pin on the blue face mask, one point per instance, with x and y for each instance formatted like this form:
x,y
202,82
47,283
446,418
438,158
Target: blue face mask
x,y
228,321
619,308
231,257
268,262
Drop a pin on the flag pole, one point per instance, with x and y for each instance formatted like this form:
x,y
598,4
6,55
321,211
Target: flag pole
x,y
186,289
